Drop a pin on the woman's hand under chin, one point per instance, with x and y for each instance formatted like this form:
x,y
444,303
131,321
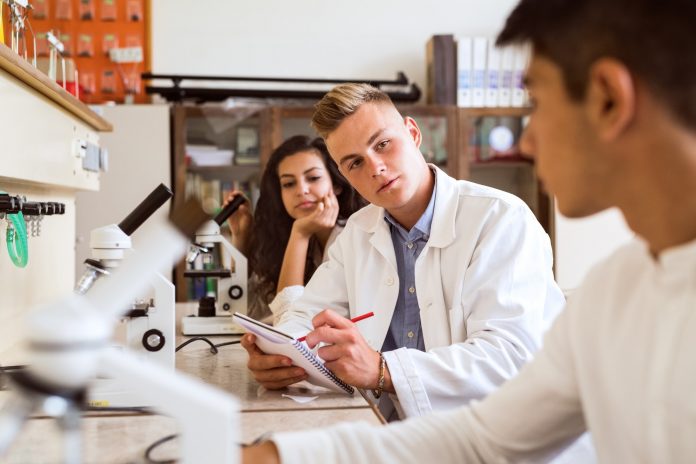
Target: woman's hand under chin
x,y
322,219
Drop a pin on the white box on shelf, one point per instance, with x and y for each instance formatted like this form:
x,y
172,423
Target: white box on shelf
x,y
209,155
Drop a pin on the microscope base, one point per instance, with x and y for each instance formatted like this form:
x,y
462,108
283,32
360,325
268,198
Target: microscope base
x,y
215,325
110,393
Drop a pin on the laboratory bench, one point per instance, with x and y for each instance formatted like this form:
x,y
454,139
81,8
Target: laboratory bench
x,y
120,437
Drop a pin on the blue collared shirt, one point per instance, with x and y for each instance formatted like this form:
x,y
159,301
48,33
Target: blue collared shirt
x,y
405,328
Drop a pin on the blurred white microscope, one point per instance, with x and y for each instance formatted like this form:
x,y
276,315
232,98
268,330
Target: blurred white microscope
x,y
148,325
229,292
69,343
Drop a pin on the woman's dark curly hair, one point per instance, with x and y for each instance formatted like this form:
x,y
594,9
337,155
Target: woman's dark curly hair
x,y
272,223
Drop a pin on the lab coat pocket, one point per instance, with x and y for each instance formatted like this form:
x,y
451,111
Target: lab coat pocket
x,y
457,324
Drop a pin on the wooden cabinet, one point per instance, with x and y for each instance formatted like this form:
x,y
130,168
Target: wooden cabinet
x,y
507,170
453,138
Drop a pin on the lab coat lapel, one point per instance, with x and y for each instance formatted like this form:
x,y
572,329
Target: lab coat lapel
x,y
434,313
384,279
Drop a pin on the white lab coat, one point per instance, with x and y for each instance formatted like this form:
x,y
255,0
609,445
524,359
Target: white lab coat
x,y
484,285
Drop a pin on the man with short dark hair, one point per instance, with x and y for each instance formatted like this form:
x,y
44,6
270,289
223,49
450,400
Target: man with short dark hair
x,y
614,124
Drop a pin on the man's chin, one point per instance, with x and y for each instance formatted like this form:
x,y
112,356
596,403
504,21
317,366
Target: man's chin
x,y
577,211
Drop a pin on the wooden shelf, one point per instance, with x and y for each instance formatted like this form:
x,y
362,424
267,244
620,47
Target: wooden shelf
x,y
229,171
18,67
496,111
501,164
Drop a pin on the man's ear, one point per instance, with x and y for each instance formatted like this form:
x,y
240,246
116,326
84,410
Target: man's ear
x,y
414,130
611,98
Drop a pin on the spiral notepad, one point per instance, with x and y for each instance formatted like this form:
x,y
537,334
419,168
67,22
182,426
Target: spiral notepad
x,y
273,341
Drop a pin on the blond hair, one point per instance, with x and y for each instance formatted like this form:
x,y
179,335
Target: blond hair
x,y
342,101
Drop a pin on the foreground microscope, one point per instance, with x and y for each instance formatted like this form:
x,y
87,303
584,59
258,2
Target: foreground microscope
x,y
69,343
149,323
229,292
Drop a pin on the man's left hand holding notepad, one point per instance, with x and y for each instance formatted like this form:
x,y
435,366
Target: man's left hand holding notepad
x,y
278,360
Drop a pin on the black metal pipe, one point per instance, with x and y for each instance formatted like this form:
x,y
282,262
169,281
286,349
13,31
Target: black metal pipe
x,y
32,208
176,94
145,209
9,204
401,79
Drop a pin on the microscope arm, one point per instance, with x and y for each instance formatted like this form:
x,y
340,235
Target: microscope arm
x,y
207,417
155,252
13,414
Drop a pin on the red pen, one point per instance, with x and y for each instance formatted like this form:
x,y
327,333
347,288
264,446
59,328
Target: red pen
x,y
355,319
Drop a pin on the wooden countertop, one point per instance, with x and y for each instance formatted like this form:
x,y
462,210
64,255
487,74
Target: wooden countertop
x,y
124,437
26,73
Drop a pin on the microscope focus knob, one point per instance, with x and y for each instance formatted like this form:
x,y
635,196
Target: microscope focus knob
x,y
153,340
235,292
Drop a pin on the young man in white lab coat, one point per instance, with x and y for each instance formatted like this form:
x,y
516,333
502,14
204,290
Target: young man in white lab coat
x,y
614,124
459,275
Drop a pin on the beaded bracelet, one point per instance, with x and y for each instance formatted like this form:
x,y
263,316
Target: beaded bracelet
x,y
377,392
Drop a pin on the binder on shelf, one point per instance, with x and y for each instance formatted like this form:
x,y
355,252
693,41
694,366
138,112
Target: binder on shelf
x,y
464,71
519,93
507,64
478,90
493,74
441,59
273,341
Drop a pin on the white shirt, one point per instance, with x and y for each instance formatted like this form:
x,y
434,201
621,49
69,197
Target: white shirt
x,y
620,361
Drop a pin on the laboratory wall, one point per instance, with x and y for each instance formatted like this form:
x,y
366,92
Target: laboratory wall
x,y
360,39
138,162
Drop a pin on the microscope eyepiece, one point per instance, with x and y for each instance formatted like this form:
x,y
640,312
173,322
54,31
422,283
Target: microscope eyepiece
x,y
228,210
145,209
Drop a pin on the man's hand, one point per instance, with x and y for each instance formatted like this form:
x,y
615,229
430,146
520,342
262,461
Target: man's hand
x,y
265,453
270,370
322,218
347,353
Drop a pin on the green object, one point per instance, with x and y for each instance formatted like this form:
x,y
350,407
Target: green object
x,y
210,283
16,237
17,240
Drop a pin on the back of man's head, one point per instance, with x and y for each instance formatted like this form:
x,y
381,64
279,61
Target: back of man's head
x,y
654,39
342,101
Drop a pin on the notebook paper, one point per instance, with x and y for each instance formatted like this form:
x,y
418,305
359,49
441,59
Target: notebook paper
x,y
273,341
